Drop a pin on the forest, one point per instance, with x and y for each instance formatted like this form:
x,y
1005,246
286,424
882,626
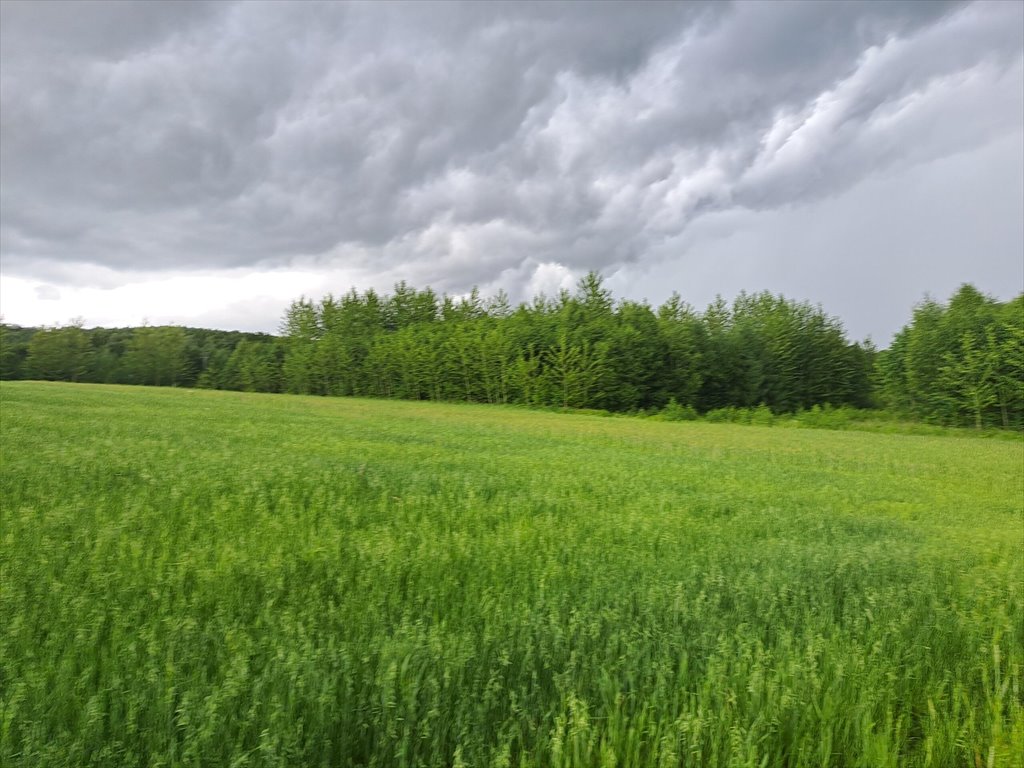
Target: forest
x,y
959,363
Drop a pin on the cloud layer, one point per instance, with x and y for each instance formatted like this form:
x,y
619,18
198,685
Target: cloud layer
x,y
507,145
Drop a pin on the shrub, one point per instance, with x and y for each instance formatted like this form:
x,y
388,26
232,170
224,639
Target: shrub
x,y
719,415
676,412
762,415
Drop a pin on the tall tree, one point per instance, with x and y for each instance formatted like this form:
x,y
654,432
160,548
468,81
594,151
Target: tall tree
x,y
13,351
968,377
156,356
59,354
301,368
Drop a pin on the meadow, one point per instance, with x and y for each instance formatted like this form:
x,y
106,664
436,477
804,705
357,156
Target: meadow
x,y
198,578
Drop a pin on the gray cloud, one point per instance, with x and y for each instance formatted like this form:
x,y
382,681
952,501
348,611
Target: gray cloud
x,y
462,143
47,293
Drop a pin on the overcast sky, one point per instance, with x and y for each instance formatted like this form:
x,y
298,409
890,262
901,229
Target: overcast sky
x,y
206,163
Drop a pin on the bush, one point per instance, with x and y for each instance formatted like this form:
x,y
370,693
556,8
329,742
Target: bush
x,y
762,415
825,417
721,415
676,412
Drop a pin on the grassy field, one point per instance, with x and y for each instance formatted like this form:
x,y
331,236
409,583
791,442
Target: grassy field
x,y
193,578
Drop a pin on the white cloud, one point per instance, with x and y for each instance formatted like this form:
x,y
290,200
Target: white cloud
x,y
550,279
252,301
47,293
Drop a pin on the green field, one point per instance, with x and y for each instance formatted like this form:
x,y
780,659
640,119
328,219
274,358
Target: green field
x,y
206,578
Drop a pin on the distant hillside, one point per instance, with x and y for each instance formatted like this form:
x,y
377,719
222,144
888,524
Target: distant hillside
x,y
167,355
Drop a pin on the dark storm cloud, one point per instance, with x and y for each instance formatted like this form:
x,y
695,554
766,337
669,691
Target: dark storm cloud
x,y
455,143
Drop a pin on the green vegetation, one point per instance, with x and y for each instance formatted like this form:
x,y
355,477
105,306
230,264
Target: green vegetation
x,y
197,578
160,356
961,363
763,360
579,350
955,365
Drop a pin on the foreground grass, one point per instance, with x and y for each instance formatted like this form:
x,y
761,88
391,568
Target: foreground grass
x,y
193,578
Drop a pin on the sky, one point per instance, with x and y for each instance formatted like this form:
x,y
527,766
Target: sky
x,y
205,164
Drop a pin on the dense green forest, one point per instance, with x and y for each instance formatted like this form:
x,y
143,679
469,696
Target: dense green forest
x,y
960,363
159,356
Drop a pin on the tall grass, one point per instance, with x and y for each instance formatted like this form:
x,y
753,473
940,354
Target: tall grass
x,y
192,578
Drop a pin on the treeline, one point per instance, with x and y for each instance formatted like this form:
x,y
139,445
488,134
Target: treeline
x,y
959,363
168,356
955,364
578,350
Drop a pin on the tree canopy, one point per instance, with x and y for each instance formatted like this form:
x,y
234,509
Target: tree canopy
x,y
960,363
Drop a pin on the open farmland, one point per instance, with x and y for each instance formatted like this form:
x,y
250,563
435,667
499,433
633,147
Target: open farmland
x,y
194,578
